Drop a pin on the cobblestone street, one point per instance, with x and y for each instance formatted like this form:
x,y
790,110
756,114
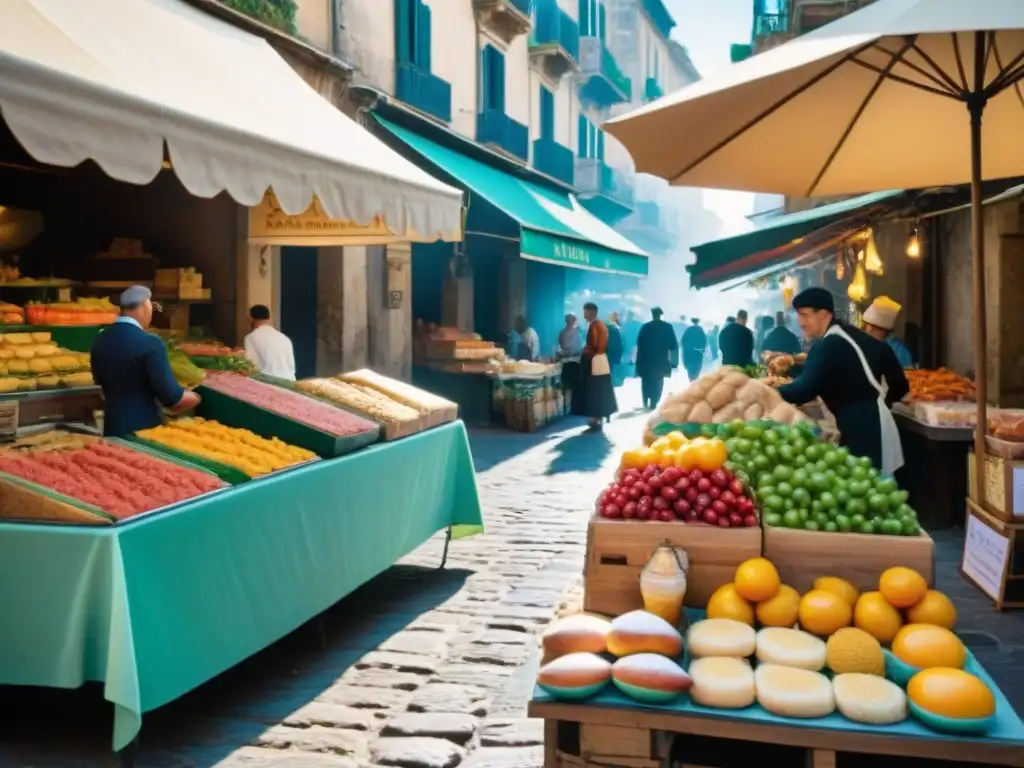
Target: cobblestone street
x,y
422,667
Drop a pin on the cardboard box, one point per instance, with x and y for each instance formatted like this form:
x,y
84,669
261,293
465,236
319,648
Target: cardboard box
x,y
802,556
1003,492
617,550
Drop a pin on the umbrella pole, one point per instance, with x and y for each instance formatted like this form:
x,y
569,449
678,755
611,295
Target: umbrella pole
x,y
976,106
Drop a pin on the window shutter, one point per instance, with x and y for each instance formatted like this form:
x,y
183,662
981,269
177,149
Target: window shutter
x,y
584,17
423,36
403,30
581,136
601,19
486,86
547,114
498,79
600,143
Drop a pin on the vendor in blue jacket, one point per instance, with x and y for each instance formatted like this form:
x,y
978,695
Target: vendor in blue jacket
x,y
131,366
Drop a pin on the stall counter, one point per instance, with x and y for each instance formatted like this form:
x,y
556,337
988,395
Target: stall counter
x,y
935,469
153,608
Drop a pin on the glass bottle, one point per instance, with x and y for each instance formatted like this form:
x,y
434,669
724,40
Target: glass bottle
x,y
663,582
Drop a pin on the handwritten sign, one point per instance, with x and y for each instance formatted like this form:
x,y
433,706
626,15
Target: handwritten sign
x,y
1018,492
985,554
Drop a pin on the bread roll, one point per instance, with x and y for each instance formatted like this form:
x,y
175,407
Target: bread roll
x,y
753,412
728,413
576,634
721,395
697,391
791,692
721,637
643,632
735,378
701,413
650,678
790,648
722,683
575,676
675,413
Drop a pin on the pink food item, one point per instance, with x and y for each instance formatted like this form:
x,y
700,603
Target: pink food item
x,y
314,413
118,480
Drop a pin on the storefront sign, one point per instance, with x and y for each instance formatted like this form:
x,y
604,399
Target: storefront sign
x,y
985,555
540,246
269,225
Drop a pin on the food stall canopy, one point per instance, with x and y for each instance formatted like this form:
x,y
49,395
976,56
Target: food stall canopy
x,y
554,226
786,238
115,81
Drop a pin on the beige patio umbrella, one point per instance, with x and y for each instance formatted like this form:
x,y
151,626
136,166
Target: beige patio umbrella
x,y
890,97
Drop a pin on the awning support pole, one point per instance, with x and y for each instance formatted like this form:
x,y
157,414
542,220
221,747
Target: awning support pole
x,y
976,107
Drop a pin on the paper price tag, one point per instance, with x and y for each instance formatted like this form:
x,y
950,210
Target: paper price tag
x,y
985,554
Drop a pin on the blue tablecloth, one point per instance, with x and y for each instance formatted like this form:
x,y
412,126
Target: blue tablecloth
x,y
155,607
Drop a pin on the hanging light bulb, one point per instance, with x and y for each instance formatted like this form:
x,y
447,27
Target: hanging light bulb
x,y
858,288
872,259
914,244
840,265
788,289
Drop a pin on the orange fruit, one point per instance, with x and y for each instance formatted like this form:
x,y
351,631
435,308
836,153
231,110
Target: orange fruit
x,y
661,444
933,608
902,587
709,455
638,458
822,613
667,458
757,580
951,693
676,439
876,617
838,586
924,646
727,603
782,610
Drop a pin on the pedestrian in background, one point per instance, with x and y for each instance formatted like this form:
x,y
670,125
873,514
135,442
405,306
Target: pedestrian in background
x,y
615,350
736,342
657,353
781,339
713,344
598,393
693,344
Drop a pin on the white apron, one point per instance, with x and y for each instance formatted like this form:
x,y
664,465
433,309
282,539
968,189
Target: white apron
x,y
892,448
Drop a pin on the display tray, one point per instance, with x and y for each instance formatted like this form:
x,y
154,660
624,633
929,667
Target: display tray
x,y
1007,733
46,394
15,492
226,472
238,413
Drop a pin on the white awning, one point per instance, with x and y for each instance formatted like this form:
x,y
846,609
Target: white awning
x,y
114,80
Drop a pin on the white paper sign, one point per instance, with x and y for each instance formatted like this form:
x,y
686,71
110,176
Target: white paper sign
x,y
1018,492
985,554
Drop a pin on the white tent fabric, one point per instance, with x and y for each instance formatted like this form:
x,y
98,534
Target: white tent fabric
x,y
873,101
114,80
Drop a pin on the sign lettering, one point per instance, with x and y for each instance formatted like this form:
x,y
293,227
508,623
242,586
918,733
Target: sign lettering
x,y
573,253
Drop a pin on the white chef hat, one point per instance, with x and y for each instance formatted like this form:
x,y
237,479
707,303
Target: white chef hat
x,y
882,313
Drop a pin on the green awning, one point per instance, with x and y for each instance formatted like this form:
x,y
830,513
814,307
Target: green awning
x,y
779,238
554,226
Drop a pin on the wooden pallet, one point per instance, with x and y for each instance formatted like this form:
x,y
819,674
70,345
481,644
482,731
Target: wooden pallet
x,y
581,736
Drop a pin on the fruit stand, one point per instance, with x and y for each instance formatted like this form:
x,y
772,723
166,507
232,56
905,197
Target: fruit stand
x,y
281,504
753,593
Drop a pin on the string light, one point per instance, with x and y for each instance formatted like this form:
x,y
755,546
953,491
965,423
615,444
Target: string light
x,y
914,244
872,260
858,288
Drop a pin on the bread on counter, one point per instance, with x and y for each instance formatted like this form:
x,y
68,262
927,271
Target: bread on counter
x,y
435,408
397,419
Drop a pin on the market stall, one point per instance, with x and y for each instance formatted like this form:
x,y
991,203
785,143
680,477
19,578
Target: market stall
x,y
207,539
753,592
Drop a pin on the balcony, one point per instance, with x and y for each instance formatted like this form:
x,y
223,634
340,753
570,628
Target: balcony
x,y
652,90
603,83
810,15
500,132
556,161
507,19
555,42
424,91
603,185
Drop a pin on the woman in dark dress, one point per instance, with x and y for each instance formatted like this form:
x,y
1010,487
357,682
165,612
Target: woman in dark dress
x,y
598,393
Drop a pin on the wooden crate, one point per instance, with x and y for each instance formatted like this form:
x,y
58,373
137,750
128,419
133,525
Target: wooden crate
x,y
802,556
582,736
998,496
617,550
993,557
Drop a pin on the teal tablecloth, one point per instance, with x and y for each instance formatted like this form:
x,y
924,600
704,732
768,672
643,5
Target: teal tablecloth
x,y
155,607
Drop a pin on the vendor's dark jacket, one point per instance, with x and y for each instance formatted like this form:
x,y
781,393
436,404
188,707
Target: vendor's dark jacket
x,y
833,372
131,366
781,339
657,351
736,343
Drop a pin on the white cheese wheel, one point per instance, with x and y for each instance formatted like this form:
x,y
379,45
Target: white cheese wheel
x,y
791,692
722,682
869,699
791,648
643,632
721,637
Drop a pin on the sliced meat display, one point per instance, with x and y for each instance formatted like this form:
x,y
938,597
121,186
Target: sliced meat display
x,y
290,405
118,480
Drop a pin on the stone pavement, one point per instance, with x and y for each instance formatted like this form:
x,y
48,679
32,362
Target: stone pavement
x,y
421,668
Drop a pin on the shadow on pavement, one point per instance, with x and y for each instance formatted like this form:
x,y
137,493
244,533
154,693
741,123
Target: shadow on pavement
x,y
492,446
583,452
235,708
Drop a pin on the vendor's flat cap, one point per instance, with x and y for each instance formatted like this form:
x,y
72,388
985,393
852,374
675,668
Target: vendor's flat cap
x,y
814,298
134,295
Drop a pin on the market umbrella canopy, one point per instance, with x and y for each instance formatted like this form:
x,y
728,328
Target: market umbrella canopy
x,y
873,101
117,81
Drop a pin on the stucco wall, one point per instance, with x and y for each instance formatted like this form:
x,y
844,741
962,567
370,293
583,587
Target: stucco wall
x,y
367,40
519,90
455,57
654,58
313,20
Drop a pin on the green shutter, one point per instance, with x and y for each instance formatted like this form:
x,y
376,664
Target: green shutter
x,y
404,30
423,36
486,86
547,114
600,143
498,79
584,17
581,136
601,21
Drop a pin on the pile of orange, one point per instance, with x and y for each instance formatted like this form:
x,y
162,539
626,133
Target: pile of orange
x,y
757,596
675,450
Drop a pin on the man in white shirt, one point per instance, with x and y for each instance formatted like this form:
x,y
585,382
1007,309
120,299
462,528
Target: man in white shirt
x,y
529,342
267,347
